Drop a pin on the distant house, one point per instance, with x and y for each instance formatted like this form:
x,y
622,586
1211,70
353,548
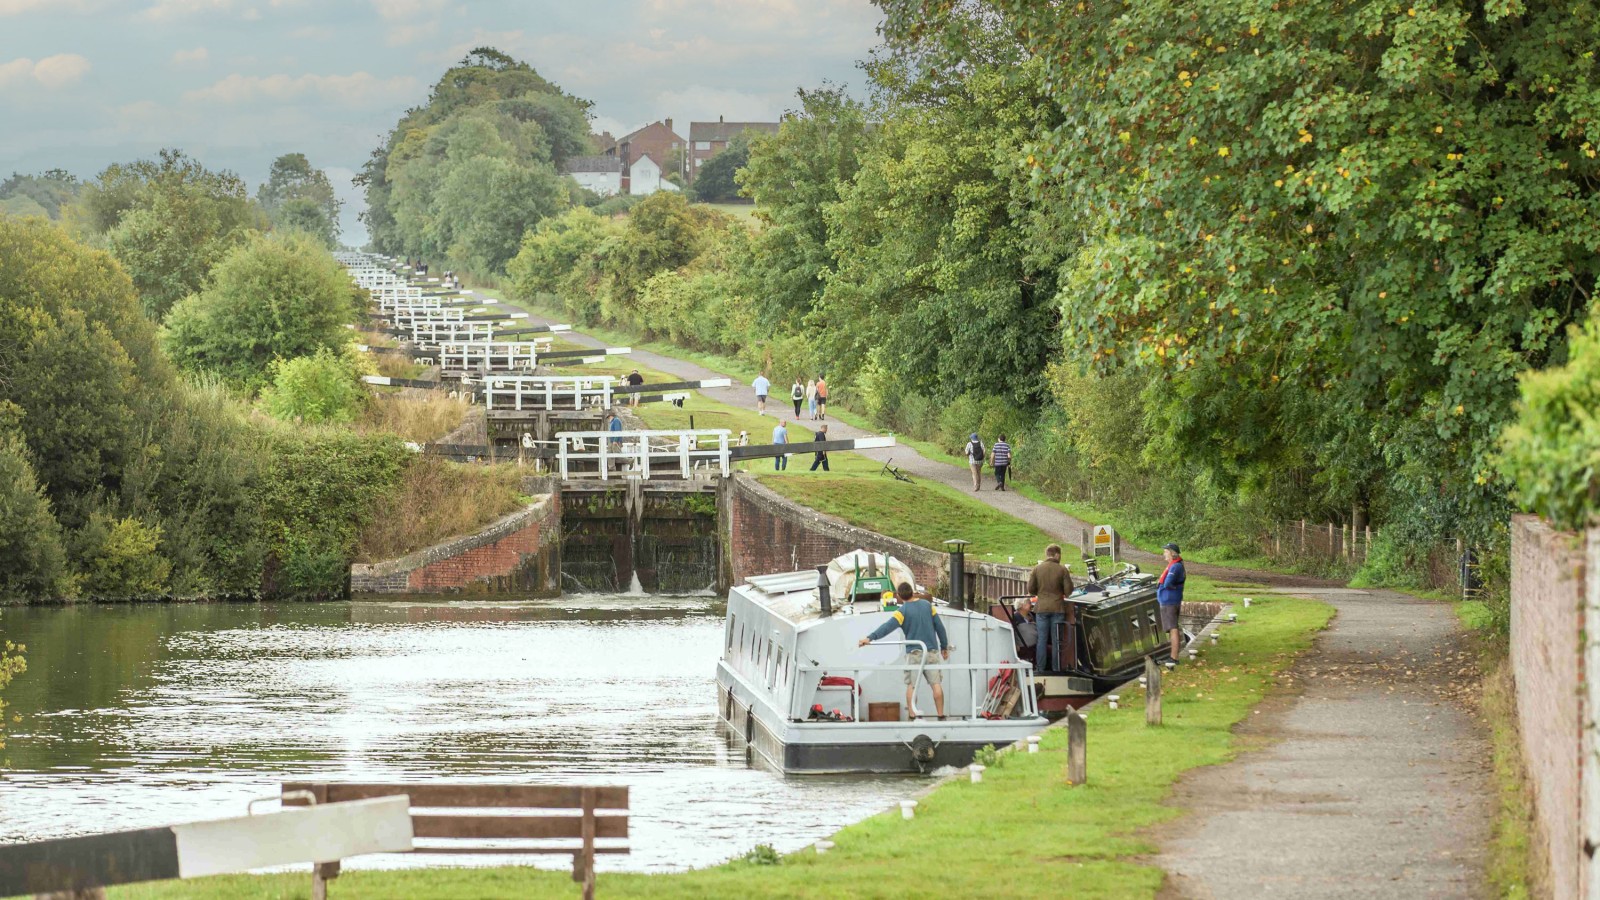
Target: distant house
x,y
656,139
707,139
601,174
645,177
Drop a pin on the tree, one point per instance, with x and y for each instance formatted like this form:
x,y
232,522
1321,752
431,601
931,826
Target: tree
x,y
317,389
463,177
715,182
168,221
297,197
275,296
48,191
30,537
1380,215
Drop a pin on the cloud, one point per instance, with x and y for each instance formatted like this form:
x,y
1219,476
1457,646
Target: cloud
x,y
699,103
57,71
401,10
355,89
18,7
165,10
197,55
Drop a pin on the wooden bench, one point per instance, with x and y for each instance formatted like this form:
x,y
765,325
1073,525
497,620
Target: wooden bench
x,y
512,819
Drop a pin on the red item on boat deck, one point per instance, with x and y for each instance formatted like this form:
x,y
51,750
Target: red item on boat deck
x,y
839,681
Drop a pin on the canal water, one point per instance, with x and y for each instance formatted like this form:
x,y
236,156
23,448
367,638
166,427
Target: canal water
x,y
139,715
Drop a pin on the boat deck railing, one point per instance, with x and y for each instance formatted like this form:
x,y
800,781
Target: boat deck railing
x,y
977,690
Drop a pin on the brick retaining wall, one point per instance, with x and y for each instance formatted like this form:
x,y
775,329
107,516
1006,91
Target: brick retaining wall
x,y
519,553
1547,604
771,533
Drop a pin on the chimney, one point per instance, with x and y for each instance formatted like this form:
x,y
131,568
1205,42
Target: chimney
x,y
668,122
719,120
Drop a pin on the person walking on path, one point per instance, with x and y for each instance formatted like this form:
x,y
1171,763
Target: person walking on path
x,y
920,621
822,455
975,460
1000,455
822,398
797,393
1050,584
1169,595
811,397
634,380
762,386
780,435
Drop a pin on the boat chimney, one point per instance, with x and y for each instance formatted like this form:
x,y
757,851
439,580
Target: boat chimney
x,y
823,597
958,573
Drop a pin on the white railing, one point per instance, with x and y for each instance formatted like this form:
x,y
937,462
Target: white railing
x,y
469,357
405,318
643,454
546,392
436,333
977,685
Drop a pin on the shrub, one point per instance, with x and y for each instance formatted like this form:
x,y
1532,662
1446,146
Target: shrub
x,y
273,297
121,559
30,538
435,501
318,389
1551,453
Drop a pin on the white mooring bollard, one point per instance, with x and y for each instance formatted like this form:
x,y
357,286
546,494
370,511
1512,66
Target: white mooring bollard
x,y
977,773
908,809
1111,700
1033,743
823,846
1247,603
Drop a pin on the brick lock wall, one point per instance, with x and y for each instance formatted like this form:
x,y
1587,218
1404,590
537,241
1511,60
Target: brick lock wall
x,y
517,553
1547,600
770,533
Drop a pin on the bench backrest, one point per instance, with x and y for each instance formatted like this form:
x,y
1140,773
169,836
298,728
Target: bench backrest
x,y
515,805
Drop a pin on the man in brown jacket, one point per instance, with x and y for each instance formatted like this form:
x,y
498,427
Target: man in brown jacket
x,y
1050,584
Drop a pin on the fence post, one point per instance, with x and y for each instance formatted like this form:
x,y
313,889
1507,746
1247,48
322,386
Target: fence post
x,y
1302,537
1152,692
1077,749
1366,547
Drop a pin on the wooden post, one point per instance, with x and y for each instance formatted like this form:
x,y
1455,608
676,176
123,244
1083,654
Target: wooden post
x,y
1077,749
1366,546
1152,692
1302,537
588,843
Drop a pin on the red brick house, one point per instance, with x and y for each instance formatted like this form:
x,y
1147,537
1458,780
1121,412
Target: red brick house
x,y
657,139
706,139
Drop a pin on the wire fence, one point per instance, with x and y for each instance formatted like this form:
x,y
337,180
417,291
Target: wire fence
x,y
1341,549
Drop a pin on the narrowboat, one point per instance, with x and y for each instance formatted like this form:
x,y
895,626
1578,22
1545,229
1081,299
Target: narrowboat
x,y
794,686
1115,626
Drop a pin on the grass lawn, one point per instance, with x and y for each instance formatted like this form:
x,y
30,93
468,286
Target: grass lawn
x,y
745,212
1022,833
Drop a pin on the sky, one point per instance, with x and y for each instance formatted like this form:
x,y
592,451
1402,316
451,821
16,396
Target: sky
x,y
236,83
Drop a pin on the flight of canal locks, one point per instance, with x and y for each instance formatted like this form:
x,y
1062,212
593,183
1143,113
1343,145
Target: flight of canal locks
x,y
651,620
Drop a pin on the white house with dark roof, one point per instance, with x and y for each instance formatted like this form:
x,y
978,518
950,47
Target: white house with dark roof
x,y
601,174
645,177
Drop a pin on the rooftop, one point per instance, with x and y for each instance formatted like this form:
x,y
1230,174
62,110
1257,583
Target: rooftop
x,y
724,131
594,164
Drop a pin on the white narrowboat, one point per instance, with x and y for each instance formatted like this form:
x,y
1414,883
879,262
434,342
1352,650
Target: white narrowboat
x,y
796,688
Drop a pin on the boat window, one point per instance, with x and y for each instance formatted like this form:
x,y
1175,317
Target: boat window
x,y
731,621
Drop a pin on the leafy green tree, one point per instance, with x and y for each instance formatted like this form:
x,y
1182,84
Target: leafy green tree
x,y
276,296
552,252
1381,212
318,389
715,182
462,177
22,208
793,177
168,221
297,197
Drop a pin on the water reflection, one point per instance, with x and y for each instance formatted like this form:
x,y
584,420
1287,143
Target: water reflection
x,y
134,716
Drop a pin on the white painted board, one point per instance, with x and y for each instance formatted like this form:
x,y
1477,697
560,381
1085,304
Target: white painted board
x,y
324,833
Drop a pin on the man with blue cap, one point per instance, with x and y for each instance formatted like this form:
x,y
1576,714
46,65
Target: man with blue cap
x,y
1169,595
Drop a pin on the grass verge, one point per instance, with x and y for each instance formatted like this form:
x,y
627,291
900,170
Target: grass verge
x,y
1511,866
438,500
1021,833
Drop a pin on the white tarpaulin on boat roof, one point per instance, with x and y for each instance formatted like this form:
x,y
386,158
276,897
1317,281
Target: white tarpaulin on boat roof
x,y
843,570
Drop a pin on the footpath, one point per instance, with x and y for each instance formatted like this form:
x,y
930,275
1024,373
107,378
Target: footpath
x,y
1368,777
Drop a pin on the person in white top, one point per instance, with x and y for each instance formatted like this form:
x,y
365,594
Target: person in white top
x,y
811,397
762,386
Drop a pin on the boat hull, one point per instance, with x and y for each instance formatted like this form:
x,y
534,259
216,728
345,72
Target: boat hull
x,y
802,748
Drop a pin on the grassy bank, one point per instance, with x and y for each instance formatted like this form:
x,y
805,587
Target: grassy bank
x,y
1512,863
1022,833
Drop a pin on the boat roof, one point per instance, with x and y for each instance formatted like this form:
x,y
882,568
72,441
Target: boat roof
x,y
793,596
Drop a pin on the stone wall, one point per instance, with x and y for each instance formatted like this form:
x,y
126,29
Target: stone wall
x,y
770,533
520,553
1547,612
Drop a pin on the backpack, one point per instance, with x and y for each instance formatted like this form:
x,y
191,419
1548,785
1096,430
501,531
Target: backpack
x,y
975,451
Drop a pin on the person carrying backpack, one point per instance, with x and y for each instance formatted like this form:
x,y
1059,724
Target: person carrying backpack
x,y
797,393
975,457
